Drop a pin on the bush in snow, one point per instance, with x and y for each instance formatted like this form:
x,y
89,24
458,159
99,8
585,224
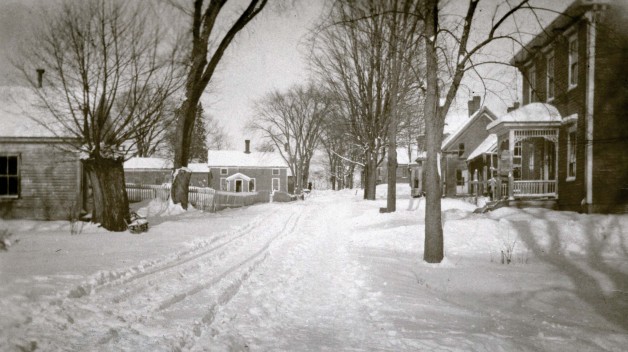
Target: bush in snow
x,y
5,242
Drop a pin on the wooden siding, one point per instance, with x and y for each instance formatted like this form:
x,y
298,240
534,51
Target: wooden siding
x,y
49,182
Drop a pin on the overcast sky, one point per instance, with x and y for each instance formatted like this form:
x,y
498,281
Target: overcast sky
x,y
269,54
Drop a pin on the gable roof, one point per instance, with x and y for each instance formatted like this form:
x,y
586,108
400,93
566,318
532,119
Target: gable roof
x,y
23,115
489,145
484,111
238,176
235,158
137,163
402,155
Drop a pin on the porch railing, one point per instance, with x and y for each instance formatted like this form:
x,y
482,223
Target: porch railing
x,y
534,188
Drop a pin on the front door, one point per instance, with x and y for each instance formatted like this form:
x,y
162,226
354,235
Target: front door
x,y
238,185
462,177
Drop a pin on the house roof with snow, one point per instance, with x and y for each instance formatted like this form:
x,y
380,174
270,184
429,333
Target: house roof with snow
x,y
234,158
488,146
484,111
531,114
402,155
151,164
23,115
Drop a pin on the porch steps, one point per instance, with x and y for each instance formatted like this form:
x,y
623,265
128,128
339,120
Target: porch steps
x,y
518,203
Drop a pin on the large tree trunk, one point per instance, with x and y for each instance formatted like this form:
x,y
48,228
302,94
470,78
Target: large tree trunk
x,y
391,199
180,187
186,116
370,176
434,124
111,205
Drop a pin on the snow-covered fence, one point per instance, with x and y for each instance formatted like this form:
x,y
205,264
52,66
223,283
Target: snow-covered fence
x,y
202,198
224,200
206,199
138,192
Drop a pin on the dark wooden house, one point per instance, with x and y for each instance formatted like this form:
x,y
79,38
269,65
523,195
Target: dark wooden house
x,y
569,140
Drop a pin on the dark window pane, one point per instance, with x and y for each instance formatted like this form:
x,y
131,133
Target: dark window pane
x,y
3,165
4,190
13,185
12,165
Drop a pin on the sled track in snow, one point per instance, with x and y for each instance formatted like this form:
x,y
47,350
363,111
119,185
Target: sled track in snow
x,y
129,275
188,288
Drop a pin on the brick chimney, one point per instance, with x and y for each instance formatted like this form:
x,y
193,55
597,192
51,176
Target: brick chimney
x,y
474,104
40,77
247,146
514,106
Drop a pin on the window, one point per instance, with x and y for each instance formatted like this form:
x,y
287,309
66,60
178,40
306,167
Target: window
x,y
516,161
224,171
460,149
9,176
459,178
550,77
573,61
252,185
275,172
224,185
531,84
571,154
275,184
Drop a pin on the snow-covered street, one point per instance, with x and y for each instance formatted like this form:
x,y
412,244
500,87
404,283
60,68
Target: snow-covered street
x,y
328,273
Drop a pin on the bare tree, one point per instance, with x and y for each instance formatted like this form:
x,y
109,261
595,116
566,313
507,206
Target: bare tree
x,y
341,156
453,48
107,72
207,47
293,122
150,133
362,55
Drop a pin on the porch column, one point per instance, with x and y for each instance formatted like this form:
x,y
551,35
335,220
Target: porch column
x,y
511,149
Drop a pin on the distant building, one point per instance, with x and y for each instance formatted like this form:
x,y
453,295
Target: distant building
x,y
457,147
157,171
246,171
406,162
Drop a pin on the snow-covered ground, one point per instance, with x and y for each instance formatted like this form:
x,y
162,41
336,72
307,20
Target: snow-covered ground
x,y
329,273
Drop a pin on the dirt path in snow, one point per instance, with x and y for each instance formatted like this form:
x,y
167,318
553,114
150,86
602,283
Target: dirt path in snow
x,y
308,295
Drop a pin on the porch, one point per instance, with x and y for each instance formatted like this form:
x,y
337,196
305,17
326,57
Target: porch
x,y
527,164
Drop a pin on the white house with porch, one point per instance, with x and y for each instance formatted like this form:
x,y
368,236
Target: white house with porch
x,y
527,149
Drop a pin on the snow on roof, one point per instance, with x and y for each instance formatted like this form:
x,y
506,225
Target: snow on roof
x,y
231,158
483,111
24,115
148,163
402,155
530,113
489,145
137,163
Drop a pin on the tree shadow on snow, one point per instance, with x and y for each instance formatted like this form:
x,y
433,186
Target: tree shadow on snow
x,y
610,304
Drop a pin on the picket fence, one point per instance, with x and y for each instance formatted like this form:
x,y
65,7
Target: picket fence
x,y
206,199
